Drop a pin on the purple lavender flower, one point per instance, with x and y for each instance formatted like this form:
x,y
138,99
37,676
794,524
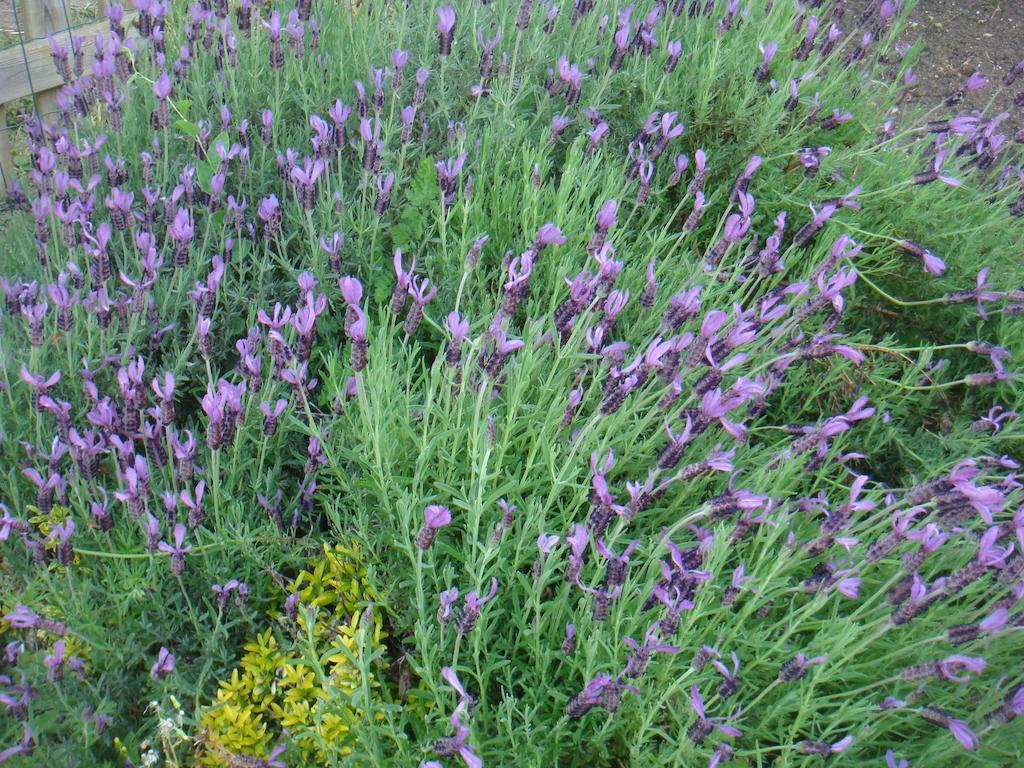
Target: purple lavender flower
x,y
811,747
569,644
275,28
178,551
181,232
932,263
960,730
602,599
452,678
577,540
194,503
605,221
796,668
546,542
403,279
617,565
704,724
458,327
767,54
739,577
422,74
548,234
523,17
23,617
470,612
164,664
166,395
730,676
594,137
621,39
357,333
558,124
23,747
35,313
8,523
40,384
975,82
435,517
637,662
305,178
420,294
445,25
61,534
447,178
162,89
674,49
456,745
399,58
448,598
980,293
383,202
56,662
602,690
503,347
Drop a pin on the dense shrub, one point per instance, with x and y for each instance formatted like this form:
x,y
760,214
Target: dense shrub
x,y
628,361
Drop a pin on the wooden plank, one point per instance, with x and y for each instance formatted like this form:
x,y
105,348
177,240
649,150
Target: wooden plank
x,y
14,79
39,19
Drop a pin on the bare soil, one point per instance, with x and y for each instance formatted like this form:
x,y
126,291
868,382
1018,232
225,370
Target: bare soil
x,y
962,37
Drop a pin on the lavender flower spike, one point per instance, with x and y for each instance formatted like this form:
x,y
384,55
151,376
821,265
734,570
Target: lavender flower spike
x,y
447,599
811,747
177,552
767,54
704,724
403,279
357,333
420,294
445,25
470,612
456,745
602,690
618,565
636,665
796,667
452,679
458,327
164,664
548,234
435,516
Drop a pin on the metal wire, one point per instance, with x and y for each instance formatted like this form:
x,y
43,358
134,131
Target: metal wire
x,y
24,55
21,42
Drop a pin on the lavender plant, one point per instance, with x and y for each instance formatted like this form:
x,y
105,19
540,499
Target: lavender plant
x,y
660,388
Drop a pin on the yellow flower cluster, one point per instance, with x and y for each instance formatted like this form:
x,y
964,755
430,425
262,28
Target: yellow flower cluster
x,y
274,689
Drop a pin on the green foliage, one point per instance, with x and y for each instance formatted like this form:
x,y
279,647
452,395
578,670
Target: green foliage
x,y
439,417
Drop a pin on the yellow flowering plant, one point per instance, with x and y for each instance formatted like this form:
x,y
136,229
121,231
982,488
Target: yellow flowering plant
x,y
300,679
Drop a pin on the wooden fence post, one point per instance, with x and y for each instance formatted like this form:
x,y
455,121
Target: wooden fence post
x,y
39,18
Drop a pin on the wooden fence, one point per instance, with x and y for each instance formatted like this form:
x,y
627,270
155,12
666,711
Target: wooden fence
x,y
26,68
